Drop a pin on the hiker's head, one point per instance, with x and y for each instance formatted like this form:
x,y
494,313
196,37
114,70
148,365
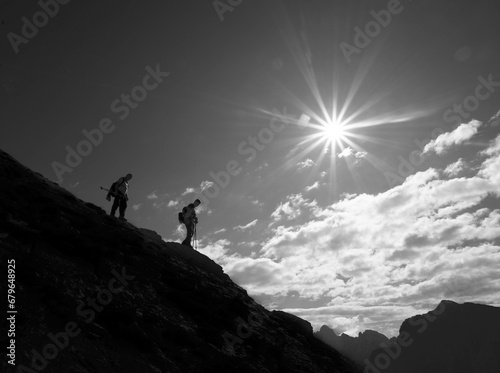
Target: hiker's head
x,y
197,203
128,177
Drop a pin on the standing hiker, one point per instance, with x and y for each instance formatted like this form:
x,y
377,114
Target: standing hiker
x,y
121,196
190,220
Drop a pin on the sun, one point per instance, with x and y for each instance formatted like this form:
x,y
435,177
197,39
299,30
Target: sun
x,y
333,131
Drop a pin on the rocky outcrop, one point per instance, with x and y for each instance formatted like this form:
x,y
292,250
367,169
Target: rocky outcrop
x,y
356,348
453,338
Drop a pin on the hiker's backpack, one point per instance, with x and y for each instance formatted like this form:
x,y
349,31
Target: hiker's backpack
x,y
112,189
180,216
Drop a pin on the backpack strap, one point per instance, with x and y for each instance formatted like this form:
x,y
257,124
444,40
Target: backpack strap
x,y
123,180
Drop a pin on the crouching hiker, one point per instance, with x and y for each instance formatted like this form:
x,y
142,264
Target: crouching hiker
x,y
120,192
188,217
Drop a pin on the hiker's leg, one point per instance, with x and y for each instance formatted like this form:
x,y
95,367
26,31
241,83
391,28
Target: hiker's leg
x,y
189,234
116,203
123,206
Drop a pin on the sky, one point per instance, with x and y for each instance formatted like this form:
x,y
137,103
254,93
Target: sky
x,y
346,153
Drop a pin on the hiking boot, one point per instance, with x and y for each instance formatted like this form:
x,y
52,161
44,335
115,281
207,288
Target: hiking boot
x,y
122,218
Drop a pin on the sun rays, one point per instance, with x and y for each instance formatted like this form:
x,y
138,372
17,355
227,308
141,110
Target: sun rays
x,y
339,106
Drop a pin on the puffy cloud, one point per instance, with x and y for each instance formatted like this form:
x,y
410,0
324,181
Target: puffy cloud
x,y
350,153
292,208
137,206
158,198
203,185
490,168
217,250
305,164
368,261
206,184
455,168
462,133
173,203
188,190
262,272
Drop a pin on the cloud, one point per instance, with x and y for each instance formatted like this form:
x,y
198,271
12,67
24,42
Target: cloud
x,y
305,164
179,231
293,207
244,227
490,168
455,168
256,202
369,258
158,198
220,231
203,185
261,272
304,120
173,203
443,142
137,206
188,190
495,120
351,153
311,187
206,184
158,204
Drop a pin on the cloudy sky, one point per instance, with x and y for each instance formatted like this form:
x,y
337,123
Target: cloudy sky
x,y
346,152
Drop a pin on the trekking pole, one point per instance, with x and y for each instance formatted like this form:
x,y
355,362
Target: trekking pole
x,y
195,239
108,196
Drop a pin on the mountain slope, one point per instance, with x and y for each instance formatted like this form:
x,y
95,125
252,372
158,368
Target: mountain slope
x,y
93,294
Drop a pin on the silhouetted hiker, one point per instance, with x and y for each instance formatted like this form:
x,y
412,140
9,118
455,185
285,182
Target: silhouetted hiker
x,y
190,220
121,196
